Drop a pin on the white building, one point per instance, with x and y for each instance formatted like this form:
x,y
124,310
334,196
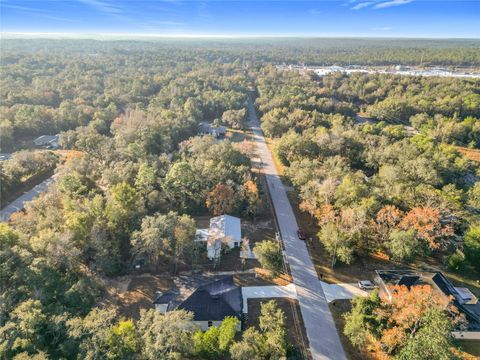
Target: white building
x,y
224,229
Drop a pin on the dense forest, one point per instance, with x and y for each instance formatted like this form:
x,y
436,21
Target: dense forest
x,y
130,111
374,186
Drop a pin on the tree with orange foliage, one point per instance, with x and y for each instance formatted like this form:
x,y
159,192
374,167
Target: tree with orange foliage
x,y
252,197
427,223
405,311
388,217
398,324
221,199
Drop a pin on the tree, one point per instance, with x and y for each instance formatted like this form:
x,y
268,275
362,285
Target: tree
x,y
89,335
234,118
433,341
123,207
361,322
121,341
25,330
170,236
251,347
394,323
221,200
402,244
269,255
270,344
215,342
337,243
272,325
165,336
472,245
427,223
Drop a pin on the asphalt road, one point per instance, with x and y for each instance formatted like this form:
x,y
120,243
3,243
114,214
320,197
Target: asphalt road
x,y
19,203
320,327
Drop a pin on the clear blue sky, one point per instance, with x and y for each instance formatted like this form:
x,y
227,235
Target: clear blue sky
x,y
384,18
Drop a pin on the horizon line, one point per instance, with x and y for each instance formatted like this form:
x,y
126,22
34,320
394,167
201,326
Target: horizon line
x,y
88,35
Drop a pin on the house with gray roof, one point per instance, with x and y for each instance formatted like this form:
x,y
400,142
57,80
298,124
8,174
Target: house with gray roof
x,y
210,129
210,303
48,141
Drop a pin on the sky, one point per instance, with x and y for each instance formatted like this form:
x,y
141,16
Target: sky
x,y
360,18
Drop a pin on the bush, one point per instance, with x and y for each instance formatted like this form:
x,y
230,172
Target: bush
x,y
472,246
269,255
456,261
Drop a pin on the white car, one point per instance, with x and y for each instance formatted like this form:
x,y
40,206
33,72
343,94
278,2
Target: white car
x,y
366,285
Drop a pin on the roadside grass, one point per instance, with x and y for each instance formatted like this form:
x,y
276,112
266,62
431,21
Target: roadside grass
x,y
278,164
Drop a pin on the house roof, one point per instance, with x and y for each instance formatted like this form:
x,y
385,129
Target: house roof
x,y
165,298
215,301
225,225
45,139
207,128
470,307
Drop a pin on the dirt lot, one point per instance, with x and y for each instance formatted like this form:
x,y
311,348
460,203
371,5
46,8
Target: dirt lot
x,y
296,335
261,278
135,292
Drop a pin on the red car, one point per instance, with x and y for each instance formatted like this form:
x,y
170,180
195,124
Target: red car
x,y
301,234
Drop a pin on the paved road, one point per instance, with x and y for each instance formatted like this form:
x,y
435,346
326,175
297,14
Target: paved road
x,y
321,332
19,203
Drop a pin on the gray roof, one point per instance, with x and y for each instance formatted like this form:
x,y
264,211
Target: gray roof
x,y
206,128
45,139
215,301
165,298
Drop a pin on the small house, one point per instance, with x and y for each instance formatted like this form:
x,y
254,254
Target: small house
x,y
165,301
47,141
210,129
224,229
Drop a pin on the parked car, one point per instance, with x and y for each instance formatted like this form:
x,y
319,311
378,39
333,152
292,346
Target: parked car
x,y
366,285
301,234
